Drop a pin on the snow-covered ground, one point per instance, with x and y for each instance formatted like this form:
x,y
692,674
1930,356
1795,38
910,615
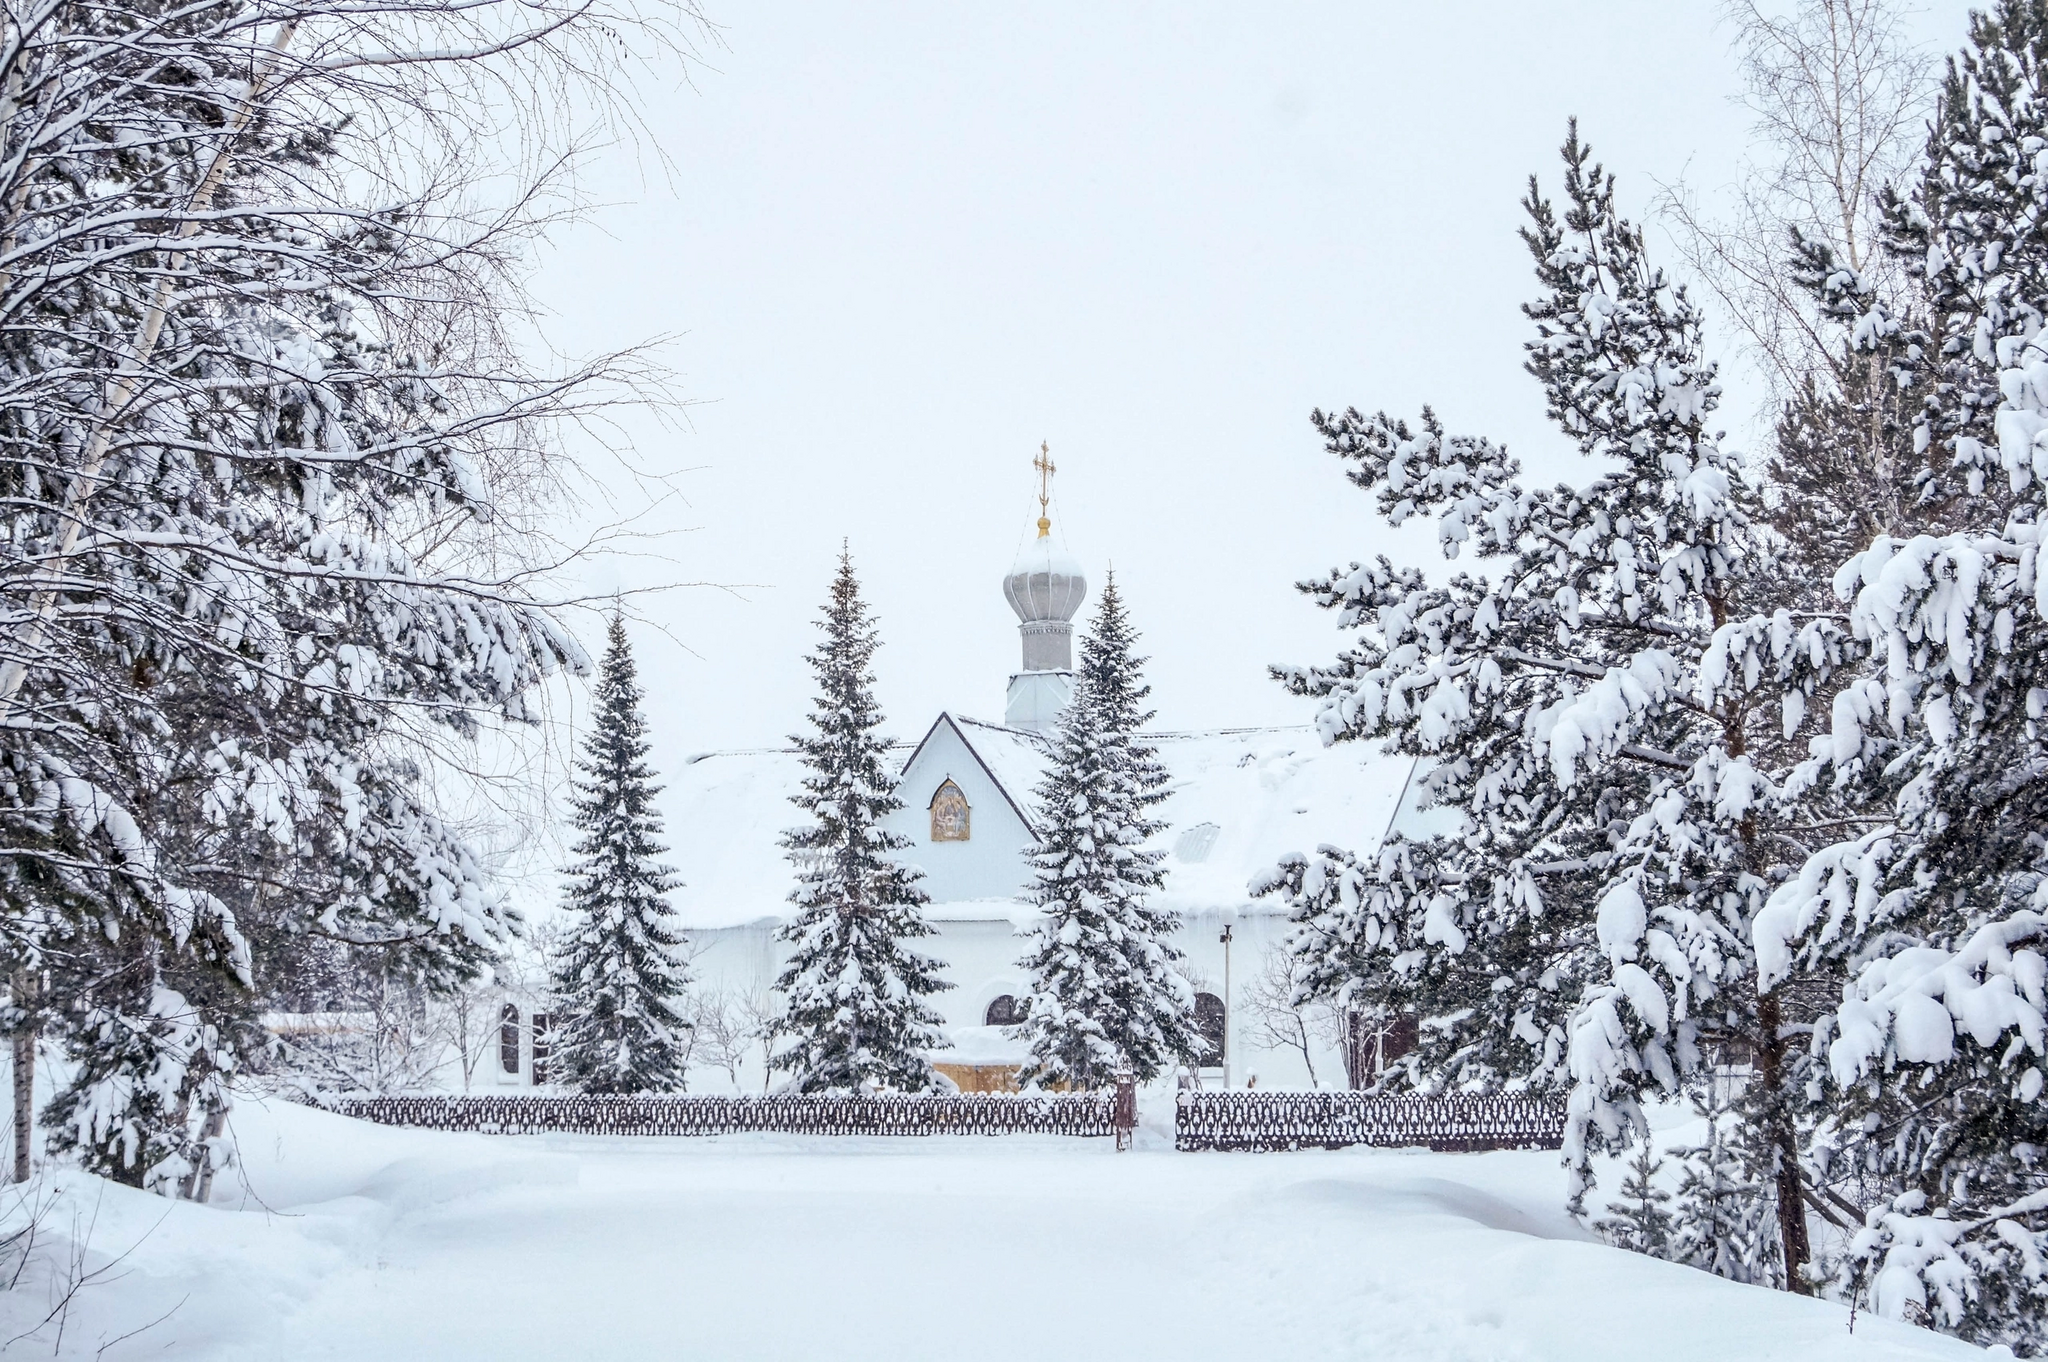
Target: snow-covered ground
x,y
341,1240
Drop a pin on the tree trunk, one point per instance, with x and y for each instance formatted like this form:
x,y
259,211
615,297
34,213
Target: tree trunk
x,y
1770,1062
199,1186
1770,1056
24,1077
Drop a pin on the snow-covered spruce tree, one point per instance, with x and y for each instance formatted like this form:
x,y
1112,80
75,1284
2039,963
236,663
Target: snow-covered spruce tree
x,y
1589,709
1105,994
270,467
1724,1218
854,1017
619,973
1640,1218
1936,1056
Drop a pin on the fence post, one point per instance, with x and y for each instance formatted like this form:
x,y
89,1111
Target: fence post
x,y
1125,1116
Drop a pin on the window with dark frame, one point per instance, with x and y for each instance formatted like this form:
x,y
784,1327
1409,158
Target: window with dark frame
x,y
1210,1020
1008,1010
950,814
508,1039
541,1022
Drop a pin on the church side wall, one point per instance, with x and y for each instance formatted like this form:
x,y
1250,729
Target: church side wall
x,y
981,962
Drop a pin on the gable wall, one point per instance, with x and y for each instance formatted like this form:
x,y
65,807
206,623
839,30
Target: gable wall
x,y
990,864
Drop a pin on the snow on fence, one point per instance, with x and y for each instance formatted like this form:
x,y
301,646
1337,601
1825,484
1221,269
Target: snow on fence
x,y
1331,1120
950,1114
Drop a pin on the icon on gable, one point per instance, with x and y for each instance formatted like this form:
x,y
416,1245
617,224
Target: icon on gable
x,y
949,814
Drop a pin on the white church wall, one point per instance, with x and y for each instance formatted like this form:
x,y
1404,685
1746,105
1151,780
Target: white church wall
x,y
981,949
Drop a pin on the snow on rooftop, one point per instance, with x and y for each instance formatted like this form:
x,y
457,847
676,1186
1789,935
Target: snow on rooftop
x,y
1247,796
1250,796
1016,758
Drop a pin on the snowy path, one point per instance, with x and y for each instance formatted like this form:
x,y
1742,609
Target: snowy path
x,y
402,1245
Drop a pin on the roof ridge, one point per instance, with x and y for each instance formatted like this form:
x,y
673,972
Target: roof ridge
x,y
692,758
899,744
1225,732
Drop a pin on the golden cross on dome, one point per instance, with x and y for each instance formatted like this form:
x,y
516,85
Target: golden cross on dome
x,y
1044,464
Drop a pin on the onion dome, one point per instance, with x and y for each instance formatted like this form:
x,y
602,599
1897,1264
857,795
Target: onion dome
x,y
1045,583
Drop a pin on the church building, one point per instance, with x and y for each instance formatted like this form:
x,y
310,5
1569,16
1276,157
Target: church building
x,y
1240,798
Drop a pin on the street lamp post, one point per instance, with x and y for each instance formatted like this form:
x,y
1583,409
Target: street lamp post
x,y
1225,939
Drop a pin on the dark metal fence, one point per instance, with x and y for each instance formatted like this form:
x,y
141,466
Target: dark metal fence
x,y
1204,1120
949,1114
1332,1120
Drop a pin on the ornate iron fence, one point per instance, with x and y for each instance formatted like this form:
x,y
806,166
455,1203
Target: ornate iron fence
x,y
948,1114
1204,1120
1332,1120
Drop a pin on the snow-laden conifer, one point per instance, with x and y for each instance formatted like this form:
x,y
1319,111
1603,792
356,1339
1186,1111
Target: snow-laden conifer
x,y
1639,1219
1725,1216
1586,710
1106,995
1932,906
619,972
854,1015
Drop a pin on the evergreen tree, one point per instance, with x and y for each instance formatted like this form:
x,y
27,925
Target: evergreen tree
x,y
619,973
1936,916
1592,706
855,1017
1726,1216
266,453
1640,1220
1105,993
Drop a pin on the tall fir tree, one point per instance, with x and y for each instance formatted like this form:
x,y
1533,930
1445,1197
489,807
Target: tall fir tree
x,y
620,973
1105,993
855,1017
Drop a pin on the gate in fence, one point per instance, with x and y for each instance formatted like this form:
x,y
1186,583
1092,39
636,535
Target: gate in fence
x,y
1332,1120
1202,1120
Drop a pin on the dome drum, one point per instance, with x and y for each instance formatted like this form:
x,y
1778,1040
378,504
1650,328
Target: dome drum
x,y
1048,646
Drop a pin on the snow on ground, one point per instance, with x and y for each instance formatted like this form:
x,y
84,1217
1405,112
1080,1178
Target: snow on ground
x,y
346,1241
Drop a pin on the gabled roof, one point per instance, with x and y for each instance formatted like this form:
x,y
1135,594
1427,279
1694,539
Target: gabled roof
x,y
1011,758
1265,791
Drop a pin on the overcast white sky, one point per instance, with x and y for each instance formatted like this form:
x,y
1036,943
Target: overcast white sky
x,y
906,242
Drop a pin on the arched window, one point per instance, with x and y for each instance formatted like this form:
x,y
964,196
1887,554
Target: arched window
x,y
1008,1010
508,1039
1210,1020
949,814
541,1022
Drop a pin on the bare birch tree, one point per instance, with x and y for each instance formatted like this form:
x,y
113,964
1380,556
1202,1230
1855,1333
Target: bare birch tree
x,y
1840,98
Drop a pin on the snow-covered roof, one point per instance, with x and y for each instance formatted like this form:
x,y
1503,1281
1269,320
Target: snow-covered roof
x,y
1266,792
1240,799
1015,758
